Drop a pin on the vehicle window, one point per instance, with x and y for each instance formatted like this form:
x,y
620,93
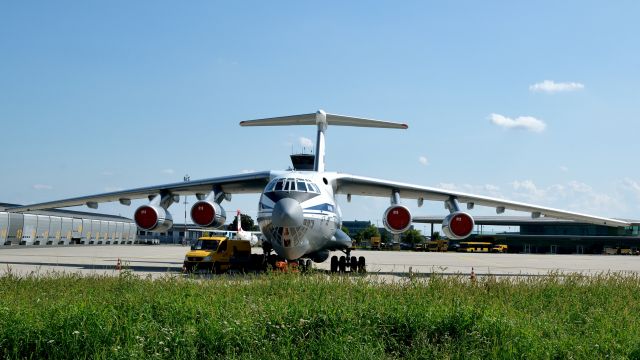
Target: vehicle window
x,y
206,245
315,188
223,247
301,186
286,186
279,185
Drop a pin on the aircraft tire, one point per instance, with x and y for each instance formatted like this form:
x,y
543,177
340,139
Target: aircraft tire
x,y
362,265
342,264
353,264
334,264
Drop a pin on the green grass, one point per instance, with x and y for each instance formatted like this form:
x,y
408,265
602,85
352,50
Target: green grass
x,y
291,316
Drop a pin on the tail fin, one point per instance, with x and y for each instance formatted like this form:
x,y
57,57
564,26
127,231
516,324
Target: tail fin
x,y
322,120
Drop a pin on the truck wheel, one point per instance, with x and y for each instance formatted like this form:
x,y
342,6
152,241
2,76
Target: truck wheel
x,y
334,264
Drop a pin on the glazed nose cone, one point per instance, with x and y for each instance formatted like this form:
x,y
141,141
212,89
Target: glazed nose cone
x,y
287,213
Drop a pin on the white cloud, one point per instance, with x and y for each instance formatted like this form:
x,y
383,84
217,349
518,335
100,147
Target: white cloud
x,y
168,171
564,168
528,123
42,187
423,160
305,142
550,86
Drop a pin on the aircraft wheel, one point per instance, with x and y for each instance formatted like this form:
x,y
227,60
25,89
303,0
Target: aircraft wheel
x,y
334,264
353,265
342,264
305,264
362,265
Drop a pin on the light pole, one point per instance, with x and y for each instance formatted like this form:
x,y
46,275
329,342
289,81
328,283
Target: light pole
x,y
184,238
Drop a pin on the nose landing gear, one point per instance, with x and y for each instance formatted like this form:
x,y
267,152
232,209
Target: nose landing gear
x,y
351,262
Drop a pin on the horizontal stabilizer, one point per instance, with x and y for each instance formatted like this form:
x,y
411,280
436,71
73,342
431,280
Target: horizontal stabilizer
x,y
331,119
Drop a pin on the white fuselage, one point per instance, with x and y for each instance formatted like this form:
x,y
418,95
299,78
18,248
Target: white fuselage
x,y
298,215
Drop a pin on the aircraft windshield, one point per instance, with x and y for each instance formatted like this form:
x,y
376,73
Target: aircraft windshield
x,y
206,245
292,184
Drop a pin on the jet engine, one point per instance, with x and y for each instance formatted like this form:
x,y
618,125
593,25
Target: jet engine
x,y
208,214
397,219
458,225
153,218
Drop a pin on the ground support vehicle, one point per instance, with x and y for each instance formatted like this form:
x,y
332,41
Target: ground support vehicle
x,y
499,248
219,254
438,245
473,246
375,242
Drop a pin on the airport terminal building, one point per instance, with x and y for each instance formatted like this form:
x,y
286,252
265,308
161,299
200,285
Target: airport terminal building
x,y
548,235
63,227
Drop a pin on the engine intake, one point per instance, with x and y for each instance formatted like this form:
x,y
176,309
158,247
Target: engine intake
x,y
397,219
458,225
208,214
153,218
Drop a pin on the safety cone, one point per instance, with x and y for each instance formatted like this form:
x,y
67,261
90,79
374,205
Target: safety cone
x,y
119,265
472,277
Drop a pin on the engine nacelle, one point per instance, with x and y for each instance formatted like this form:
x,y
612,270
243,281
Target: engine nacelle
x,y
458,225
153,218
208,214
397,219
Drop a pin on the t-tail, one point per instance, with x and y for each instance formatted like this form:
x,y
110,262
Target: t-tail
x,y
322,119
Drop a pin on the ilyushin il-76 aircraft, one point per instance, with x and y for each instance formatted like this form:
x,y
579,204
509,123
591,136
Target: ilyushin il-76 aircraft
x,y
297,211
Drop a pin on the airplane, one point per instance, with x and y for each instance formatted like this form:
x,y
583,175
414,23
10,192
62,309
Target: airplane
x,y
238,234
297,210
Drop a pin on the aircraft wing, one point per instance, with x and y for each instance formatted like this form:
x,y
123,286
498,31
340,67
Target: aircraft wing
x,y
359,185
234,184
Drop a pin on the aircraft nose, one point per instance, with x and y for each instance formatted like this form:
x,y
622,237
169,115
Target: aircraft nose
x,y
287,213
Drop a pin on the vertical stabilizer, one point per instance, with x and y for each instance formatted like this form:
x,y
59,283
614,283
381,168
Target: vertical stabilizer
x,y
321,122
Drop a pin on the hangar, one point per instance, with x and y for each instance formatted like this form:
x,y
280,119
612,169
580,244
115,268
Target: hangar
x,y
548,235
63,227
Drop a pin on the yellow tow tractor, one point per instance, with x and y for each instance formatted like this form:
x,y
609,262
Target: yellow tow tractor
x,y
220,254
499,248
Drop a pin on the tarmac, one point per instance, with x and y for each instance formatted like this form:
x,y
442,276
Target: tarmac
x,y
162,260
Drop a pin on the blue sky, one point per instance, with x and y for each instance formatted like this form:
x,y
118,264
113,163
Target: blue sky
x,y
531,101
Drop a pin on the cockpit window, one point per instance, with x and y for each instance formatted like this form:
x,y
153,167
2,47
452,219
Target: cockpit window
x,y
315,187
271,185
292,184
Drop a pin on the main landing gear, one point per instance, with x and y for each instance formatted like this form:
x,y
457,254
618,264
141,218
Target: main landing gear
x,y
351,262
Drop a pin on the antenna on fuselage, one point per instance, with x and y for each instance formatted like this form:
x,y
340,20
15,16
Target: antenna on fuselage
x,y
322,120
